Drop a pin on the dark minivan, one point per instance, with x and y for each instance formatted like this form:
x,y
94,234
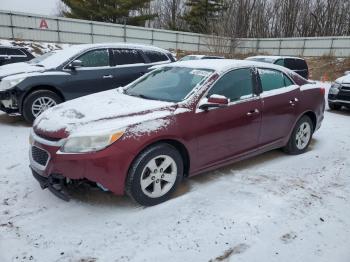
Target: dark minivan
x,y
31,88
9,55
297,64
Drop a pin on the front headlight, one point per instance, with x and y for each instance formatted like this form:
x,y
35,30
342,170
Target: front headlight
x,y
6,84
84,144
334,89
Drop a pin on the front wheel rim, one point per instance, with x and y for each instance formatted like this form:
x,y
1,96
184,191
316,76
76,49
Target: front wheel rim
x,y
158,176
303,135
41,104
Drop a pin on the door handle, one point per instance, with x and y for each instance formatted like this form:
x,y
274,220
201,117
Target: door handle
x,y
107,76
7,57
253,112
293,101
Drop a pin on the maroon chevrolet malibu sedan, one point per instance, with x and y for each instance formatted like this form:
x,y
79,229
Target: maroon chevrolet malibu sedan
x,y
177,121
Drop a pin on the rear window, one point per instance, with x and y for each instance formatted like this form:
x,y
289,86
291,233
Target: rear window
x,y
295,64
155,56
127,57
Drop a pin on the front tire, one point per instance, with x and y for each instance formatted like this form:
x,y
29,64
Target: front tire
x,y
155,175
301,137
37,102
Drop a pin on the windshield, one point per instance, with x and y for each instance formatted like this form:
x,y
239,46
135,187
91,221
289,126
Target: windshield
x,y
169,83
38,59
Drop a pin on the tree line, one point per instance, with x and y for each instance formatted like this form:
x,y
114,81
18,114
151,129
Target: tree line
x,y
232,18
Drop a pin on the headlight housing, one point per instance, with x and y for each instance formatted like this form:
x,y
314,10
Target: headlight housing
x,y
334,88
6,84
90,143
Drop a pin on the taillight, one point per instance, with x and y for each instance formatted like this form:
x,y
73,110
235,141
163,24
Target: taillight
x,y
323,91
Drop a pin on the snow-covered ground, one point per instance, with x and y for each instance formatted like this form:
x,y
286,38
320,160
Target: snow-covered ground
x,y
273,207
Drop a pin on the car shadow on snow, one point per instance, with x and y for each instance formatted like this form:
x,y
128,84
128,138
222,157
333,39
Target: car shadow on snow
x,y
344,111
13,120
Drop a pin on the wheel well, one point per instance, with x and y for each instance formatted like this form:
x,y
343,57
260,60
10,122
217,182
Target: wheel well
x,y
42,87
313,118
182,150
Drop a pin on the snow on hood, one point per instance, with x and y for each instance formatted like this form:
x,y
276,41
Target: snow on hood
x,y
343,80
104,111
18,68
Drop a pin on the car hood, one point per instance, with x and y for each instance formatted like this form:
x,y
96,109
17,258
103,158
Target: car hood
x,y
101,112
18,68
344,79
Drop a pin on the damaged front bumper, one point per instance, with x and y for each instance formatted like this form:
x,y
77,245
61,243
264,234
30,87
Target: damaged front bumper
x,y
8,102
55,183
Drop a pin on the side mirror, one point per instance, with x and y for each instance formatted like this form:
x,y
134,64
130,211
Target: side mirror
x,y
214,101
75,64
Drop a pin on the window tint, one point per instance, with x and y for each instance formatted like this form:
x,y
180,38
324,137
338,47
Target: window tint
x,y
300,64
155,56
12,51
95,58
273,79
127,57
235,85
280,62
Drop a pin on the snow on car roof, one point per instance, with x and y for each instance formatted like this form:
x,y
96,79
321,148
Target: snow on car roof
x,y
272,58
69,52
222,65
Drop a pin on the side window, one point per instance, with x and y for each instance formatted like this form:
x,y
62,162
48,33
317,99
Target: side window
x,y
155,56
235,85
273,79
14,52
290,63
95,58
127,57
280,62
287,81
300,64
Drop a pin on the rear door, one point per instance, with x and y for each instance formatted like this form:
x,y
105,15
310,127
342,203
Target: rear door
x,y
222,133
129,64
280,102
95,75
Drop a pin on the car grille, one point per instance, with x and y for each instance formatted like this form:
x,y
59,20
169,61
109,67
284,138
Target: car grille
x,y
40,156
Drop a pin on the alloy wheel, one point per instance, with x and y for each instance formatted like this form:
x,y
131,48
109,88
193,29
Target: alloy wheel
x,y
303,135
41,104
158,176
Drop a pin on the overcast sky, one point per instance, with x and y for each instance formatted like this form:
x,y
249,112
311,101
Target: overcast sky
x,y
44,7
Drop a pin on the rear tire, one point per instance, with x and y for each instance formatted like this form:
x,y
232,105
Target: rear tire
x,y
333,106
301,137
154,175
37,102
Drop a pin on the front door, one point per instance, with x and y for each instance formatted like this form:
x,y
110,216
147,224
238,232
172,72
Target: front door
x,y
95,74
223,133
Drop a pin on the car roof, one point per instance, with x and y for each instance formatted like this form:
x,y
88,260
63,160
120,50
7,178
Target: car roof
x,y
273,57
223,65
12,47
83,47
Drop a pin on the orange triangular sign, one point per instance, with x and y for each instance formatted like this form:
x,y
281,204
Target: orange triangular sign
x,y
43,24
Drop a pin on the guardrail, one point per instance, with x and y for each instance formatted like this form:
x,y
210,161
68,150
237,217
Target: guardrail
x,y
16,25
